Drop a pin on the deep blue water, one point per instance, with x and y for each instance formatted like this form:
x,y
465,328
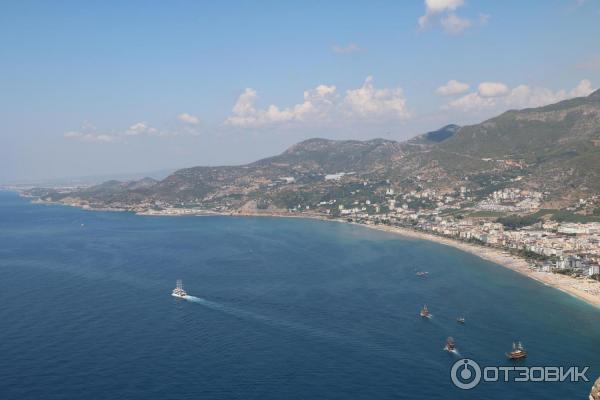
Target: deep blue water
x,y
287,309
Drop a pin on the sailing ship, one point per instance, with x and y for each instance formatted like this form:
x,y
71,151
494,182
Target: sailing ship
x,y
425,312
517,352
450,345
179,291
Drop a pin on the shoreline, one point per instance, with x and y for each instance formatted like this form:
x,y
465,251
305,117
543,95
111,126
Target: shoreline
x,y
583,289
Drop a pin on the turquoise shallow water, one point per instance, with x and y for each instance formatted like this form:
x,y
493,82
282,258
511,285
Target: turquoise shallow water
x,y
283,308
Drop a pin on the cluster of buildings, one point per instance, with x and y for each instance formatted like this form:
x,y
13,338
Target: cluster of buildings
x,y
553,247
569,248
511,200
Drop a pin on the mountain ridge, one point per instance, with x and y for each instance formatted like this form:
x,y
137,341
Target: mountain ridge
x,y
553,149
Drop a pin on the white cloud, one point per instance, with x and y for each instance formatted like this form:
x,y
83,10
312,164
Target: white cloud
x,y
349,48
315,105
141,128
188,119
90,137
244,113
320,104
471,101
88,133
497,96
437,6
492,89
584,88
454,24
245,103
443,12
452,87
526,96
434,8
367,101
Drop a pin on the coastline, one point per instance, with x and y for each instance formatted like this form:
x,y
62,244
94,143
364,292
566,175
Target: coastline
x,y
581,288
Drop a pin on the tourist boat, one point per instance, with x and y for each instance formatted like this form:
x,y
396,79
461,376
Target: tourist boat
x,y
518,351
425,311
460,320
178,291
450,345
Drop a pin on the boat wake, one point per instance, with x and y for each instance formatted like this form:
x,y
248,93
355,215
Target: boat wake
x,y
265,319
294,326
454,351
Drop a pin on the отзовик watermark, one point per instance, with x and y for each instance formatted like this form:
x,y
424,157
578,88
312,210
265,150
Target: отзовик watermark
x,y
466,374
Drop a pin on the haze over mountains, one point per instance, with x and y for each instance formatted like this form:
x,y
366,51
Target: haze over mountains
x,y
553,149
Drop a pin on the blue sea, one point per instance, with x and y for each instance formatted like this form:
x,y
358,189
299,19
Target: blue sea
x,y
282,309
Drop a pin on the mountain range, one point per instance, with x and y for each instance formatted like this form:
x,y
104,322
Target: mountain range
x,y
554,149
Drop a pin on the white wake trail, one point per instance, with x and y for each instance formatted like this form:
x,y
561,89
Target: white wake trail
x,y
294,326
267,320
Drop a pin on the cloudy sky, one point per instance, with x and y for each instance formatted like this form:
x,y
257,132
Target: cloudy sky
x,y
109,87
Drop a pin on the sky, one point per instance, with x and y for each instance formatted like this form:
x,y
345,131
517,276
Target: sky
x,y
112,87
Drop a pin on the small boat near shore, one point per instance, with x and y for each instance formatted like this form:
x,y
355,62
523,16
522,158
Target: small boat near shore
x,y
179,291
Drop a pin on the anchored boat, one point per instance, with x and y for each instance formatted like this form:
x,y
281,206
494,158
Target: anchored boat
x,y
425,311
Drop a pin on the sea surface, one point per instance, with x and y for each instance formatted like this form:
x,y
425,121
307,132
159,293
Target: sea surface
x,y
282,309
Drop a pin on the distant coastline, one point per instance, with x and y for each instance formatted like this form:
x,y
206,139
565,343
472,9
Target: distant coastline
x,y
583,289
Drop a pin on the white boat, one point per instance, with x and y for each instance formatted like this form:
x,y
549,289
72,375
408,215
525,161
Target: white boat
x,y
178,291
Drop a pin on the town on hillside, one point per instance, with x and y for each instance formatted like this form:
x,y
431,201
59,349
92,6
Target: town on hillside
x,y
565,241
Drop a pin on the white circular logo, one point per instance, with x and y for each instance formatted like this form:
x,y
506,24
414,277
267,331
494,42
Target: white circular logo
x,y
465,374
